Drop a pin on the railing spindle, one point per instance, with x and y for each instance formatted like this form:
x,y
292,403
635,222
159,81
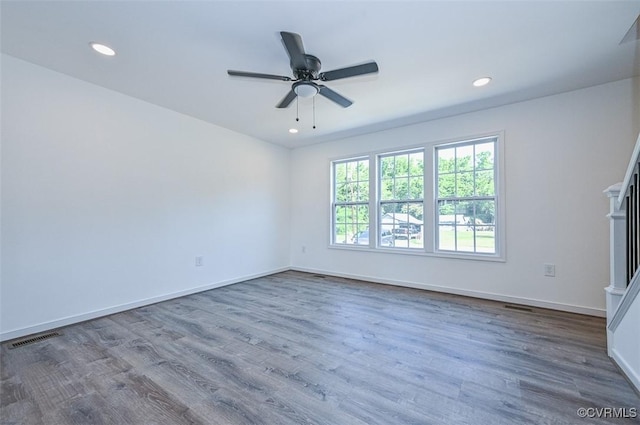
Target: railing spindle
x,y
636,233
628,222
631,205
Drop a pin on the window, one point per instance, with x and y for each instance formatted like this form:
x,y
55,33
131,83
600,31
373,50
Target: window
x,y
401,200
437,199
466,197
351,202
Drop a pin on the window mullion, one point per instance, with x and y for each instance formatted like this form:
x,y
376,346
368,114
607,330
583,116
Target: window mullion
x,y
374,214
429,226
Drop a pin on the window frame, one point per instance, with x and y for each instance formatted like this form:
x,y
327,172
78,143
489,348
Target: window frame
x,y
430,202
335,203
498,212
379,201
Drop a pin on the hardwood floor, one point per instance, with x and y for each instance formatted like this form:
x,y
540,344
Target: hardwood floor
x,y
297,348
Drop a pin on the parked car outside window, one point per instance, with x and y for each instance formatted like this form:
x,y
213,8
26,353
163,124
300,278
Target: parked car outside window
x,y
362,238
406,231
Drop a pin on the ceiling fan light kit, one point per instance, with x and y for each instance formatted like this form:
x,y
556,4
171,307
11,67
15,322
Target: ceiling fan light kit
x,y
306,70
305,88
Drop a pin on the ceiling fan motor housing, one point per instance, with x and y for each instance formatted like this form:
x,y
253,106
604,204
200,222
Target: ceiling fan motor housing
x,y
313,67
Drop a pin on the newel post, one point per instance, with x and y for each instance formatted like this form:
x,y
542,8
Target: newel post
x,y
617,256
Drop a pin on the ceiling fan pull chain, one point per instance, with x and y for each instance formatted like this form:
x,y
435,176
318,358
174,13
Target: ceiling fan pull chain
x,y
314,112
297,113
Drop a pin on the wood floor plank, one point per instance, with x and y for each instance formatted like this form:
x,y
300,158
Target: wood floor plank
x,y
297,348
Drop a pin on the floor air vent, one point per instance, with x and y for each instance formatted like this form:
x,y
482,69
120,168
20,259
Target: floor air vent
x,y
518,307
31,340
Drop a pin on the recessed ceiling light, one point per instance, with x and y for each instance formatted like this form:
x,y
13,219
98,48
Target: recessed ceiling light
x,y
101,48
293,130
482,81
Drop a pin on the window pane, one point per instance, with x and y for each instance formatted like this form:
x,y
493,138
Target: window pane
x,y
341,192
340,214
486,239
484,156
401,188
446,209
387,210
352,192
446,160
352,171
416,187
446,185
464,209
485,183
363,191
386,189
363,170
386,167
466,226
465,240
361,235
446,238
340,173
404,219
363,214
401,243
352,230
340,234
464,158
485,212
348,215
416,164
402,165
464,184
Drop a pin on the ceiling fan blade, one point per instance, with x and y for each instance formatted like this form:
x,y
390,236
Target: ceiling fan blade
x,y
257,75
286,101
350,71
331,95
295,49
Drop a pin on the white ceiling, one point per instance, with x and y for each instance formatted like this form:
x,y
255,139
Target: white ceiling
x,y
175,54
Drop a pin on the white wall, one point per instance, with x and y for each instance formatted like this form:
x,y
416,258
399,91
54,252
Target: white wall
x,y
561,152
106,201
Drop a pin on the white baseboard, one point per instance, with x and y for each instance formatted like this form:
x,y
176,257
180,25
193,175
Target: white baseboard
x,y
632,375
466,292
54,324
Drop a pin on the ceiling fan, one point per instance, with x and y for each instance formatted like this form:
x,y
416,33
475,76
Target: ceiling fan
x,y
306,70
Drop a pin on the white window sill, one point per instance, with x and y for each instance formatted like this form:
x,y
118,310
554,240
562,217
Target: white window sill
x,y
420,252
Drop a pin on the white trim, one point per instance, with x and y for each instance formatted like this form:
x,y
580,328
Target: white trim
x,y
633,162
54,324
70,320
419,252
627,298
465,292
631,374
